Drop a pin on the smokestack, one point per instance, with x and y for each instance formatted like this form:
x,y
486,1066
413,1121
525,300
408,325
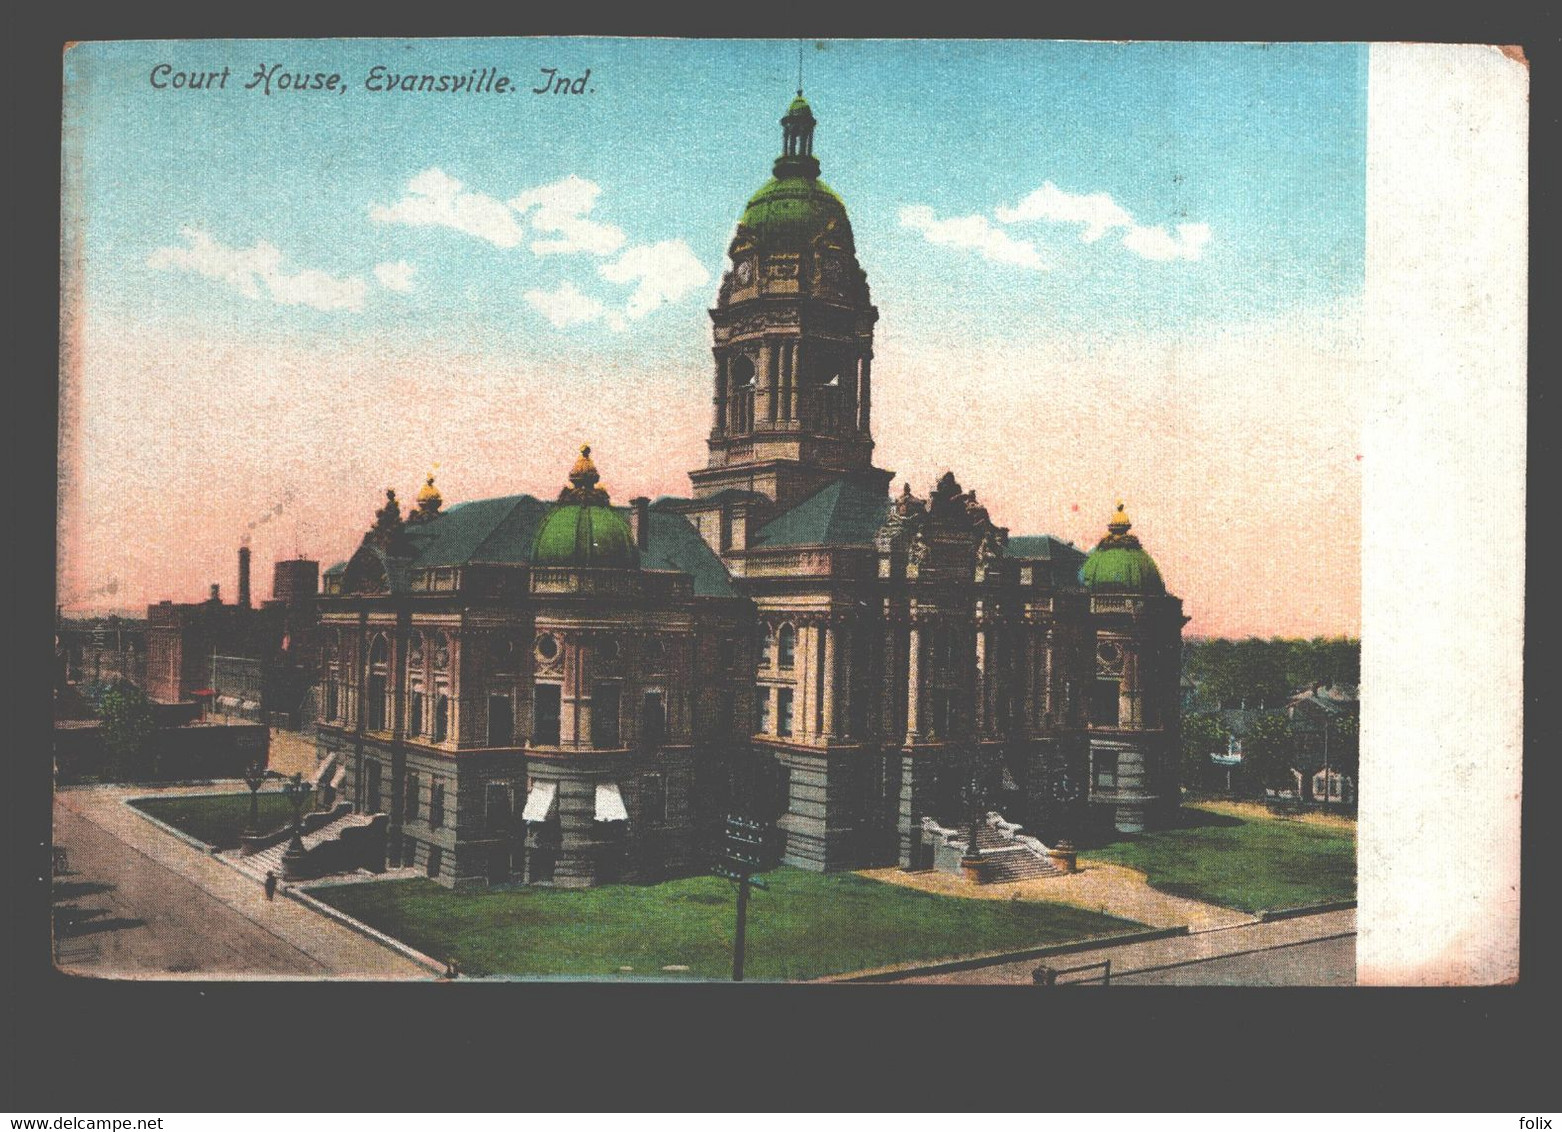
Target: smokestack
x,y
640,521
244,575
216,597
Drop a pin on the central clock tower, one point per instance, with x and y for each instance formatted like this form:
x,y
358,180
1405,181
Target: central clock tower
x,y
792,341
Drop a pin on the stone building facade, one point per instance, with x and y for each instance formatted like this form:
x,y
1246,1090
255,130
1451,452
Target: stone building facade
x,y
587,689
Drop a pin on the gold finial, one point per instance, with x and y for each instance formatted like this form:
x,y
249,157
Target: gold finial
x,y
1119,524
584,473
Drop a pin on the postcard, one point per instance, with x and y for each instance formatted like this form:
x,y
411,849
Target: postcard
x,y
910,511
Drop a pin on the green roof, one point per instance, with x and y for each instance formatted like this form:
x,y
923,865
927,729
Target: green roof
x,y
1121,569
794,209
576,534
845,512
505,530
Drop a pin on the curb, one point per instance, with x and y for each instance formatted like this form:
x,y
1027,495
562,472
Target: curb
x,y
992,959
179,834
293,892
1270,915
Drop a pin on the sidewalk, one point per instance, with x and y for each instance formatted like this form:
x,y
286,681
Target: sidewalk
x,y
1165,953
339,951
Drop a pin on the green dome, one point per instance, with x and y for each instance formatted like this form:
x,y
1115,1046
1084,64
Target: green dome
x,y
1121,569
576,534
794,209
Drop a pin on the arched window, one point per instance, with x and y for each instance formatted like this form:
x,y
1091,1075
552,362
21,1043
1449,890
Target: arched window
x,y
379,683
766,637
441,653
787,646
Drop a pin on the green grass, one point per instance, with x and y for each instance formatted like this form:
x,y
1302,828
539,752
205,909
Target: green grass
x,y
217,819
1248,864
807,925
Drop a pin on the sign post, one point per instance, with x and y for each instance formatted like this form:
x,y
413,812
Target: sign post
x,y
745,839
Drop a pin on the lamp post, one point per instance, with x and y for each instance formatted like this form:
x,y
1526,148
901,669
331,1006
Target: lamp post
x,y
255,777
295,790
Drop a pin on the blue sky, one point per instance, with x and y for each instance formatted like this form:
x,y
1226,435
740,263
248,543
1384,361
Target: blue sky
x,y
1263,144
1103,271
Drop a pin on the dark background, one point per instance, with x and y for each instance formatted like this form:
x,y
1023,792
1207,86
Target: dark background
x,y
84,1045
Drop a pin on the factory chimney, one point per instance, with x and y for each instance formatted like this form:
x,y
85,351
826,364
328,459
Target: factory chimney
x,y
244,574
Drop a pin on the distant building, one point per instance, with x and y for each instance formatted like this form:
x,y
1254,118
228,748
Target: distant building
x,y
249,663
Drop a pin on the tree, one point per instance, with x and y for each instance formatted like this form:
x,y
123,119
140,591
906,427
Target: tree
x,y
128,728
1201,734
1267,752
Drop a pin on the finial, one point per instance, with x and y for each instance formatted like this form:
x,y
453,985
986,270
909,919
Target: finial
x,y
1119,523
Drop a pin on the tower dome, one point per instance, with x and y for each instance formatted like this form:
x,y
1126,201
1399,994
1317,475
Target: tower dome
x,y
582,530
1119,564
795,206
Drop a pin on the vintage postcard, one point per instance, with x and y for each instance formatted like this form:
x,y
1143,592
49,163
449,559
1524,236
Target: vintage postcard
x,y
867,511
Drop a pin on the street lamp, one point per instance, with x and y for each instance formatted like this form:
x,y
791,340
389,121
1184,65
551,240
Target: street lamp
x,y
255,777
295,790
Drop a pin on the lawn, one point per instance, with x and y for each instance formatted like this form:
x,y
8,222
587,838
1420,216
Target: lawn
x,y
807,924
1251,864
217,819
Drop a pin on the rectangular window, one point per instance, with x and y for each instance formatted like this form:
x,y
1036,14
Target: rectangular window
x,y
501,721
329,711
413,798
435,860
545,715
653,719
604,716
373,793
415,714
653,797
783,711
376,703
764,650
496,808
1106,770
1104,703
436,804
762,709
441,717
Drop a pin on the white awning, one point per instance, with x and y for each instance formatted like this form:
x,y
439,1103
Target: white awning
x,y
228,701
249,705
610,803
340,777
323,771
539,802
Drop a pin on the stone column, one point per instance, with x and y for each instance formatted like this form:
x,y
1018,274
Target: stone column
x,y
765,383
828,682
864,397
914,685
1128,691
720,399
575,696
982,721
797,377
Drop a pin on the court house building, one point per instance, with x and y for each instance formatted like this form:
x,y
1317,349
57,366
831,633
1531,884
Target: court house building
x,y
571,689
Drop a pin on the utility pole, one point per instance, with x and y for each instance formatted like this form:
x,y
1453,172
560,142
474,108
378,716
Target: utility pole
x,y
745,838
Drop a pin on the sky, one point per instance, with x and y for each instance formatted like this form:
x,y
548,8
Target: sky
x,y
1103,272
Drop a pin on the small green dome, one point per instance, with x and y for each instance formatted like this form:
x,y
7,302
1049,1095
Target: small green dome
x,y
795,209
582,530
1119,564
1121,569
799,106
576,534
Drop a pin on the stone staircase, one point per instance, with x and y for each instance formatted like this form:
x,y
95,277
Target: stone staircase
x,y
1006,854
270,859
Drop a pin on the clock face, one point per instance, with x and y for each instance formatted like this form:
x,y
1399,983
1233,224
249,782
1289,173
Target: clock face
x,y
1064,788
745,272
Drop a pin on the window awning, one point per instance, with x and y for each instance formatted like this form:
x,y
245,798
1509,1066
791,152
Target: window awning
x,y
323,772
539,803
249,705
340,778
610,803
228,701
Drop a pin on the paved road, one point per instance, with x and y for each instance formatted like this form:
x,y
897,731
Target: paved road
x,y
1319,963
139,902
120,913
1317,950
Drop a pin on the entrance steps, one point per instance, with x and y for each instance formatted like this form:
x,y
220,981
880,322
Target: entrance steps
x,y
270,859
1006,854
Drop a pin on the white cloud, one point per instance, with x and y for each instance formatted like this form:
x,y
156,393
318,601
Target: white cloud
x,y
972,232
435,198
257,271
1157,243
561,208
565,305
662,273
1100,214
395,276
